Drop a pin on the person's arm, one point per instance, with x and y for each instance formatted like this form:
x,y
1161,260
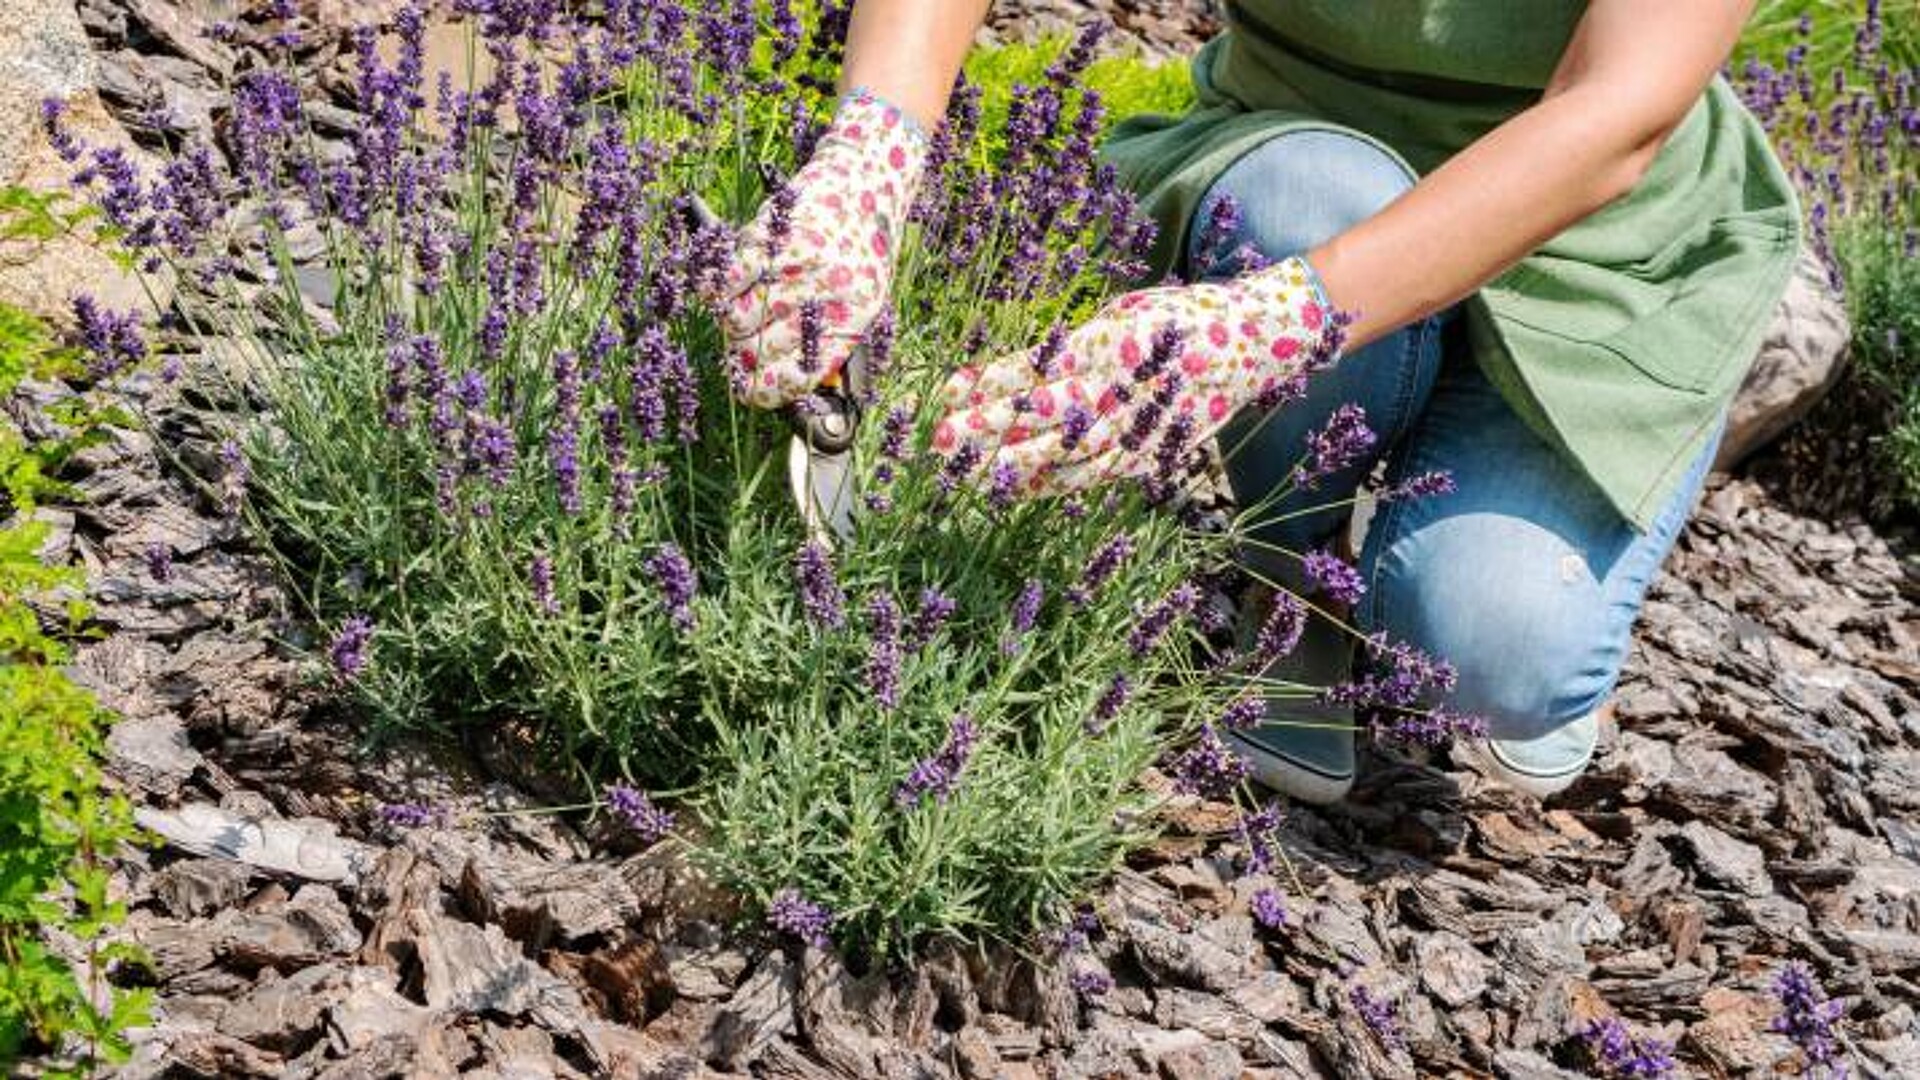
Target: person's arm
x,y
908,51
1629,76
814,268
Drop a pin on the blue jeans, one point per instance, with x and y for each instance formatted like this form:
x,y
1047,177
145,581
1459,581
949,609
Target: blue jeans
x,y
1525,578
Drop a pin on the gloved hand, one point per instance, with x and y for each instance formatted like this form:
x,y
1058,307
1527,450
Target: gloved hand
x,y
1139,385
815,267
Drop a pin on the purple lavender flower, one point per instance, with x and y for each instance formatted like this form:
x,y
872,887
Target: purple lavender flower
x,y
884,655
563,444
1807,1017
1400,676
492,451
159,557
811,327
1002,484
540,581
53,113
638,812
791,913
1047,353
1106,562
1245,712
958,466
1344,440
1418,486
819,590
1223,221
1434,726
936,608
1280,631
1335,576
111,339
1075,422
1075,933
674,576
349,649
1269,909
1026,612
940,774
412,815
1153,624
1622,1054
1258,832
894,430
1209,768
1380,1015
1090,982
1108,705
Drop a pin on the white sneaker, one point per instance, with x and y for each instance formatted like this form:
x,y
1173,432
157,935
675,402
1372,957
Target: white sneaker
x,y
1539,767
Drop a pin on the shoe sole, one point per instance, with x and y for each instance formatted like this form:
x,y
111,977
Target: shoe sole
x,y
1291,777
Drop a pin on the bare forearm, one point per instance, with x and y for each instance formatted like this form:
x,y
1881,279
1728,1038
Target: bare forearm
x,y
908,51
1481,212
1630,74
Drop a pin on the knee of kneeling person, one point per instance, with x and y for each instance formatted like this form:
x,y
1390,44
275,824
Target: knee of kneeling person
x,y
1300,189
1529,657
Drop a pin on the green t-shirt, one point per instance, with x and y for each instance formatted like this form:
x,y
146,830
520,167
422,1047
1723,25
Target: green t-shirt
x,y
1621,339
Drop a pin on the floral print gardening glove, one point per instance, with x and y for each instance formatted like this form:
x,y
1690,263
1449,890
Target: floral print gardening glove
x,y
1137,388
815,268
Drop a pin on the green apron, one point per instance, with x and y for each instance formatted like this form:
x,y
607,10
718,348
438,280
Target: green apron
x,y
1620,340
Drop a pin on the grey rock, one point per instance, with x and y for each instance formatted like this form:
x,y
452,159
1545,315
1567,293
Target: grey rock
x,y
1803,353
1451,969
152,754
760,1012
1725,861
282,1014
194,887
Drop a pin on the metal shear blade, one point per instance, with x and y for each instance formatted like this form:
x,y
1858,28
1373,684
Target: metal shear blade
x,y
820,454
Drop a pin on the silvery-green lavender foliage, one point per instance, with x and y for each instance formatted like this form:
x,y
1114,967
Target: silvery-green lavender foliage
x,y
504,463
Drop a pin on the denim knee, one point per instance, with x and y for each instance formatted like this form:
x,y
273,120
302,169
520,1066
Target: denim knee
x,y
1536,639
1296,191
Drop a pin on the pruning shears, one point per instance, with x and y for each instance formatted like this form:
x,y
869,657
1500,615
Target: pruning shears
x,y
824,424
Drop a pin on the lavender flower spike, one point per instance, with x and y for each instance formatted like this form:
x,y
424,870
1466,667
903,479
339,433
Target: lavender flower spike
x,y
1334,575
819,590
1269,910
349,649
1622,1054
674,576
940,774
633,807
790,912
412,815
1807,1018
1344,440
884,656
1209,768
1380,1014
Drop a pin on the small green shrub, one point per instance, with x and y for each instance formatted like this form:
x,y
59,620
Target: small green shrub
x,y
1834,83
57,826
508,468
1883,300
1127,85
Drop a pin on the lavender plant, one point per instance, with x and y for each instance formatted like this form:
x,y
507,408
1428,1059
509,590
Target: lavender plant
x,y
501,457
1840,95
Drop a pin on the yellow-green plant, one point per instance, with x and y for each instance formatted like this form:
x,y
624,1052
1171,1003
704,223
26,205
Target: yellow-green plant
x,y
57,825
